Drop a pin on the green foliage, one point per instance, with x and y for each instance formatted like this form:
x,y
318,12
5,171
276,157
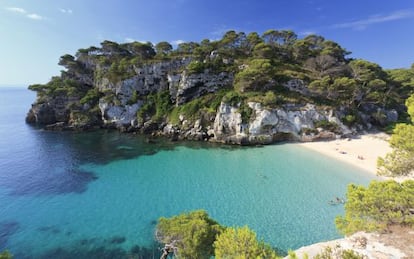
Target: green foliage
x,y
375,208
259,64
337,252
404,79
327,125
58,87
82,118
214,65
269,99
5,255
192,233
401,160
157,105
120,70
241,243
196,67
256,75
349,119
163,48
134,98
245,112
190,109
196,108
233,98
92,96
321,86
142,51
410,107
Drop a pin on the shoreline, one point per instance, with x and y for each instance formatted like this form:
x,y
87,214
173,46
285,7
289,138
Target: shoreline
x,y
361,151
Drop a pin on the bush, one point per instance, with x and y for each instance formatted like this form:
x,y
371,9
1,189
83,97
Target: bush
x,y
5,255
196,235
193,234
375,208
245,112
327,125
241,243
269,98
337,252
349,119
233,98
92,96
195,67
157,105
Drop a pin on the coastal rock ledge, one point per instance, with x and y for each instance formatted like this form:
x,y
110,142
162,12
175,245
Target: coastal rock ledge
x,y
393,245
209,95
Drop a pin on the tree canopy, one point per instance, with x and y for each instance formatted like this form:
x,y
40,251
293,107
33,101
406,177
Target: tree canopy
x,y
375,208
193,234
401,160
252,64
196,235
241,243
5,255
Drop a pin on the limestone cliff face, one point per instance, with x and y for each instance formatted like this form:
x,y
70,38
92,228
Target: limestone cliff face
x,y
187,87
269,125
164,76
119,101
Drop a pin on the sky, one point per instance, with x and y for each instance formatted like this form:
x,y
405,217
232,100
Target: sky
x,y
35,33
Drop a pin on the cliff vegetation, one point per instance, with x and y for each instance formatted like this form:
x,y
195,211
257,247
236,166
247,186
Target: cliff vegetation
x,y
242,88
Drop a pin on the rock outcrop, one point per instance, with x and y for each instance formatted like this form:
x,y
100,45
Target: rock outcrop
x,y
366,245
269,125
116,100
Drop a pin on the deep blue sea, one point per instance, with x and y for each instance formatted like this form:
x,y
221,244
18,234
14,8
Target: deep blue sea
x,y
99,194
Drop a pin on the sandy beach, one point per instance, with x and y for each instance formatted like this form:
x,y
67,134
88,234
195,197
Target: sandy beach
x,y
361,151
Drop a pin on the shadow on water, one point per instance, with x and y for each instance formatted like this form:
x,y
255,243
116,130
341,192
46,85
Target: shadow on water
x,y
51,165
70,181
7,228
103,146
99,249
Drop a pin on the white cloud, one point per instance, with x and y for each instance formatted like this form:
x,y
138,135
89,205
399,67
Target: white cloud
x,y
364,23
306,33
35,16
129,40
176,42
16,10
67,11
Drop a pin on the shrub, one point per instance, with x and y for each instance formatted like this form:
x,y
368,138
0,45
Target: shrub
x,y
327,125
193,234
241,243
375,208
92,96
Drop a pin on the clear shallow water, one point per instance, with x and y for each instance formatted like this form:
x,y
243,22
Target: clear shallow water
x,y
99,194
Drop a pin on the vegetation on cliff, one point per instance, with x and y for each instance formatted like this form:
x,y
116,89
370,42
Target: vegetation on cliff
x,y
377,207
196,235
5,255
400,161
253,67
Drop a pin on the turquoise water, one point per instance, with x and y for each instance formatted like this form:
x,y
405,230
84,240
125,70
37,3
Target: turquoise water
x,y
99,194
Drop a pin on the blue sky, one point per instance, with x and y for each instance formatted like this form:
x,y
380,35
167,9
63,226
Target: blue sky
x,y
35,33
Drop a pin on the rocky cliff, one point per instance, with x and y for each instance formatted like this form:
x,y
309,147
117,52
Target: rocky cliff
x,y
118,110
209,96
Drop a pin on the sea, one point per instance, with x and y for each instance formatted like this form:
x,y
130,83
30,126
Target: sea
x,y
100,194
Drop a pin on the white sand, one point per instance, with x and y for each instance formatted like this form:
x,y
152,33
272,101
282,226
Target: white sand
x,y
361,151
